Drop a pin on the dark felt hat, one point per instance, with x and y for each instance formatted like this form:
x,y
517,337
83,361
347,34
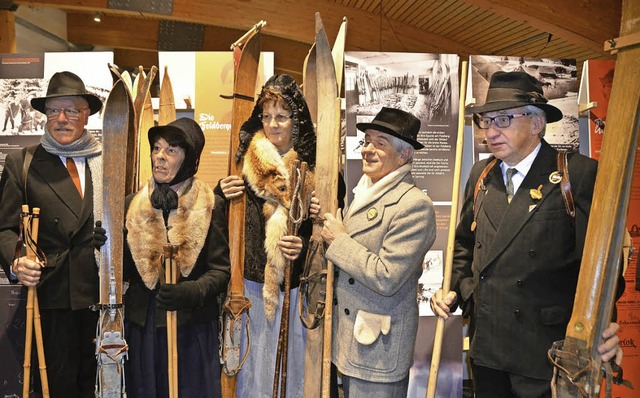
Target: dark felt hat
x,y
512,90
397,123
67,84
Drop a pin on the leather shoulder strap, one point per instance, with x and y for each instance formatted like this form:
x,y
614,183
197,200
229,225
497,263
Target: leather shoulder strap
x,y
480,181
28,157
565,184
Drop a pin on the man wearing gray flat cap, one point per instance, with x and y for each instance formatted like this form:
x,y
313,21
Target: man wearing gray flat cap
x,y
378,251
62,176
518,248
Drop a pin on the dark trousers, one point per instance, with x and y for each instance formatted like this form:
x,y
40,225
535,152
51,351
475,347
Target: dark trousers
x,y
492,383
69,347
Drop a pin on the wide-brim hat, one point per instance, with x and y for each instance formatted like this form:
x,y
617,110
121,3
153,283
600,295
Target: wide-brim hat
x,y
67,84
512,90
397,123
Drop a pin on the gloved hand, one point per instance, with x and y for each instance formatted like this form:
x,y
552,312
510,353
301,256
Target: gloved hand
x,y
178,296
99,235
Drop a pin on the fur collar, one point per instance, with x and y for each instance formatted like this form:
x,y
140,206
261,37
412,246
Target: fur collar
x,y
267,173
188,229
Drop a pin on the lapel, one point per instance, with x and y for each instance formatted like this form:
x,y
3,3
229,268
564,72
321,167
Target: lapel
x,y
55,175
523,206
372,214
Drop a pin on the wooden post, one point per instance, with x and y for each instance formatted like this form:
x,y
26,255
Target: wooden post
x,y
7,32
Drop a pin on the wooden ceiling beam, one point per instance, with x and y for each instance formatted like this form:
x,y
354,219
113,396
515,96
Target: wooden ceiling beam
x,y
585,23
295,22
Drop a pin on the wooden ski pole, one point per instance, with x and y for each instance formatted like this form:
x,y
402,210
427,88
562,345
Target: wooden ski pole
x,y
297,178
172,329
446,281
30,228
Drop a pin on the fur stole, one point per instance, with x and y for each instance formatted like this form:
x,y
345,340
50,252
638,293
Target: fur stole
x,y
267,174
188,229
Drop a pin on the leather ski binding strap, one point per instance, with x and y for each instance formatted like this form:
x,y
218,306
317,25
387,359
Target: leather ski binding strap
x,y
233,309
612,372
313,286
565,185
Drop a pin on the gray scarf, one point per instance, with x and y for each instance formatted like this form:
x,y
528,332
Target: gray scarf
x,y
85,146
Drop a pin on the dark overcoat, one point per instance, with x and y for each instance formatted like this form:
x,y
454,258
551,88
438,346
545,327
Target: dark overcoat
x,y
70,279
516,274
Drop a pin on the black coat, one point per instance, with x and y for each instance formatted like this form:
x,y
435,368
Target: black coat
x,y
516,275
70,280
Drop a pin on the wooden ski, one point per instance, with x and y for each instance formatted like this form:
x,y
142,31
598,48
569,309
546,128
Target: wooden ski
x,y
246,58
451,239
111,349
144,115
316,288
167,108
579,363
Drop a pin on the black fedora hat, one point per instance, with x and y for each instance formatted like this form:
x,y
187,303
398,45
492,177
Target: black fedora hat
x,y
512,90
67,84
397,123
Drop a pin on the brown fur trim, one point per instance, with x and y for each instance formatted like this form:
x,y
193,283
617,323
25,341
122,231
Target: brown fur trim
x,y
267,174
188,229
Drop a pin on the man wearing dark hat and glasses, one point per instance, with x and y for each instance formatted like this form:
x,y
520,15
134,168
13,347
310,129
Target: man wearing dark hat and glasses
x,y
63,177
518,250
378,250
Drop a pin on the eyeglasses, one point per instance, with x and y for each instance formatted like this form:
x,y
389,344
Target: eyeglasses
x,y
501,121
71,114
280,119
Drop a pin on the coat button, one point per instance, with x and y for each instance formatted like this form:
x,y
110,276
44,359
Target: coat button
x,y
351,281
483,276
519,283
479,245
346,311
516,313
56,220
532,253
335,301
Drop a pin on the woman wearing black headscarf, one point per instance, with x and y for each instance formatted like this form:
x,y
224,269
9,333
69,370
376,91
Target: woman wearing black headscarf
x,y
177,208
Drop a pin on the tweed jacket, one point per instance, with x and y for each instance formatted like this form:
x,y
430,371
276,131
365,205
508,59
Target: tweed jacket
x,y
70,279
516,274
379,261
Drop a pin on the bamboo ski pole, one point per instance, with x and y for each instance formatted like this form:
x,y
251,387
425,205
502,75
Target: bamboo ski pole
x,y
446,281
30,228
172,332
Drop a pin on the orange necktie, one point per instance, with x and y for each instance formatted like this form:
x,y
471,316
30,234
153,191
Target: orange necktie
x,y
73,172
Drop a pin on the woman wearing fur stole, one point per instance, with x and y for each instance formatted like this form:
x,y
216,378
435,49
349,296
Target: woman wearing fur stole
x,y
278,133
177,208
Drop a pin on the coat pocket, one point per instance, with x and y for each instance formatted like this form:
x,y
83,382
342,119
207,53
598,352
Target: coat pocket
x,y
373,350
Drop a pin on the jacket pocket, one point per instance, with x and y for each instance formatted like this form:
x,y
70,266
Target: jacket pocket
x,y
378,351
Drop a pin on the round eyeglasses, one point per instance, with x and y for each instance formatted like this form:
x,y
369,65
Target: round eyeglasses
x,y
501,121
280,119
71,114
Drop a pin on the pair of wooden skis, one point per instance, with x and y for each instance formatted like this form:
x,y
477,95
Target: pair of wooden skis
x,y
123,119
322,81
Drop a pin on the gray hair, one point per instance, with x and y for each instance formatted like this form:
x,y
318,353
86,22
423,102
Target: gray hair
x,y
535,111
400,145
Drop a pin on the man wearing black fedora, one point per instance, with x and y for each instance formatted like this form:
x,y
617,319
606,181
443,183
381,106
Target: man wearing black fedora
x,y
378,250
62,176
518,249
